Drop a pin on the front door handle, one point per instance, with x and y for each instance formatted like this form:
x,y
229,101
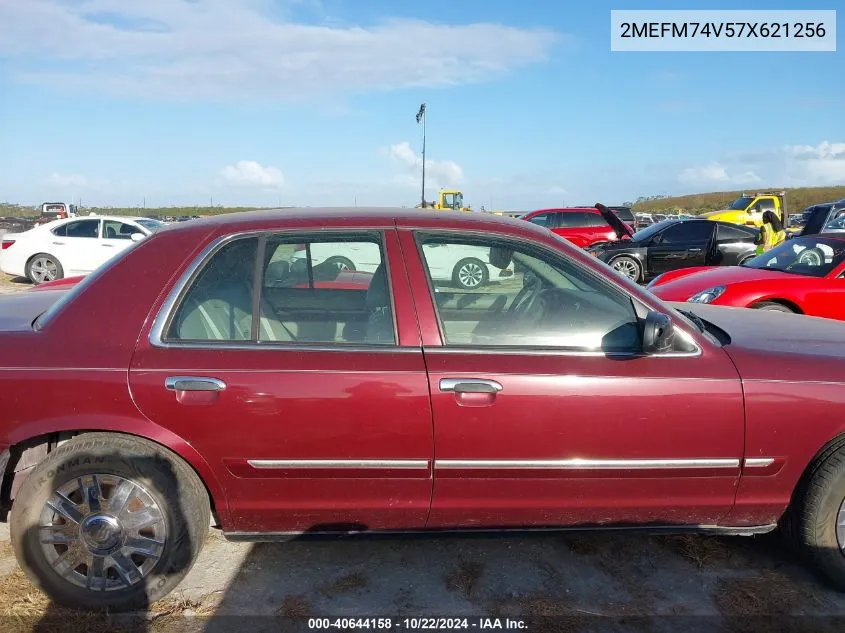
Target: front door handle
x,y
695,250
470,385
58,243
194,383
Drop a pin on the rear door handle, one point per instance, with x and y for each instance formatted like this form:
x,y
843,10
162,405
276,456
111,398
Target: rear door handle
x,y
695,250
194,383
470,385
58,243
109,245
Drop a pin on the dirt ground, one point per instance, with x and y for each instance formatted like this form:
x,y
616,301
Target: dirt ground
x,y
551,582
548,582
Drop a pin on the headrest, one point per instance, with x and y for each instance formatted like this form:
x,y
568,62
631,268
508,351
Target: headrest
x,y
500,257
377,294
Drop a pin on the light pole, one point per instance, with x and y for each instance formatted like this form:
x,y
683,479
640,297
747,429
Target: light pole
x,y
421,117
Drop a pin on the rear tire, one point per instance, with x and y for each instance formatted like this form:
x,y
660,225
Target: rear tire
x,y
813,523
109,521
772,306
43,267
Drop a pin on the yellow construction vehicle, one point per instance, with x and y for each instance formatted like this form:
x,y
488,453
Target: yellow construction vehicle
x,y
748,209
448,200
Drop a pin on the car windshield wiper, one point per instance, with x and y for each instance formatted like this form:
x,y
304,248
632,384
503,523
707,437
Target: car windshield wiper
x,y
699,323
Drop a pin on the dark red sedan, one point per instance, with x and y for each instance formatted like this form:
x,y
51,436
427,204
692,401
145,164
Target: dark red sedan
x,y
209,372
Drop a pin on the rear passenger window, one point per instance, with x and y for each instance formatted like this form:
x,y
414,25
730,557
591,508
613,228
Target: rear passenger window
x,y
322,290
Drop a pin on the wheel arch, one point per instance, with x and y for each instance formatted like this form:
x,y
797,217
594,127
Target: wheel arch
x,y
28,449
836,443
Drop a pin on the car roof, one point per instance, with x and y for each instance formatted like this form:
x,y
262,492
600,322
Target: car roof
x,y
566,210
346,216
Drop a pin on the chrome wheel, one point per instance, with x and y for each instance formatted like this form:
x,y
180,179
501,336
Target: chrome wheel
x,y
627,267
102,532
840,526
43,269
470,275
811,257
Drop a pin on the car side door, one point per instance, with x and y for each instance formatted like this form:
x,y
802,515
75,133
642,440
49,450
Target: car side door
x,y
734,244
76,244
116,237
303,385
547,414
680,245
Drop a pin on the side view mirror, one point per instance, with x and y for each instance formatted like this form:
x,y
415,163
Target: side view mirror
x,y
137,237
658,333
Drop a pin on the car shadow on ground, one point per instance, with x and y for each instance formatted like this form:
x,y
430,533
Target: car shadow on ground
x,y
539,582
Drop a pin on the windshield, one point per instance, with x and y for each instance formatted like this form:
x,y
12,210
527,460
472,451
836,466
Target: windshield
x,y
650,231
150,225
837,223
741,203
810,256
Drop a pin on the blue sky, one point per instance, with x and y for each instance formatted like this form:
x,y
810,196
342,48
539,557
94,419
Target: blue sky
x,y
312,102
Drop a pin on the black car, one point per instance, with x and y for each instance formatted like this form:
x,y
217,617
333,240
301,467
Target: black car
x,y
678,243
817,217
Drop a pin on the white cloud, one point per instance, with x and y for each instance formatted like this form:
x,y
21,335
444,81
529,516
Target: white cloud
x,y
442,173
235,49
822,164
790,165
715,173
66,180
248,173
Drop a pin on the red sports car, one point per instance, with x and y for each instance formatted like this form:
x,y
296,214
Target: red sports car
x,y
804,275
212,371
583,226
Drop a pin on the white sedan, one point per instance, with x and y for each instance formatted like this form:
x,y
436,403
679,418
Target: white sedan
x,y
465,266
70,247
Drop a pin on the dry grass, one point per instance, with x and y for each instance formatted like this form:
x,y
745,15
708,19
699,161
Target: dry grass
x,y
703,551
24,609
464,578
345,584
296,608
763,604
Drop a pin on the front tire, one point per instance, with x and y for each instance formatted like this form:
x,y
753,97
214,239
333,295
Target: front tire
x,y
627,267
470,273
772,306
817,522
43,267
109,521
342,263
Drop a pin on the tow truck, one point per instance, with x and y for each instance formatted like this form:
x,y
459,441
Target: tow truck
x,y
748,209
56,211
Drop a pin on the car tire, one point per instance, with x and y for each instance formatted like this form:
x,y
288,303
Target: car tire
x,y
109,522
773,306
627,267
812,523
43,267
745,259
342,263
470,273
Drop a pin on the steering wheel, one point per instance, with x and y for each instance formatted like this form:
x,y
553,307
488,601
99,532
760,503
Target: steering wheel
x,y
552,302
525,295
